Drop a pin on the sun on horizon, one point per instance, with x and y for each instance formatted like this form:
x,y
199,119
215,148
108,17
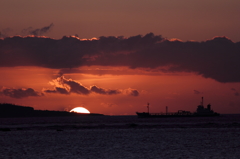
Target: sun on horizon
x,y
80,110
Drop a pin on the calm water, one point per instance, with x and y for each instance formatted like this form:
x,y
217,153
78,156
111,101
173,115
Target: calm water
x,y
120,137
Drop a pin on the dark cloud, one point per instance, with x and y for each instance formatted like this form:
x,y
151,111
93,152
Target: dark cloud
x,y
131,92
235,91
20,93
68,86
134,92
104,91
57,90
76,87
65,86
217,58
37,32
196,92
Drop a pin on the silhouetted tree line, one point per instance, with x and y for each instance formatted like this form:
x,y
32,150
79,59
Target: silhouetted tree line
x,y
12,110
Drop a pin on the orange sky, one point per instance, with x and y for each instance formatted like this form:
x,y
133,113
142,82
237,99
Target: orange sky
x,y
182,91
46,64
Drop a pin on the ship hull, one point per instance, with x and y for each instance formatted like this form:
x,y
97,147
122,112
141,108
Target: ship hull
x,y
200,112
148,115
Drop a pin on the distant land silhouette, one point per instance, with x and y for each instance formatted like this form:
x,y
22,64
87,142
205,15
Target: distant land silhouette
x,y
11,110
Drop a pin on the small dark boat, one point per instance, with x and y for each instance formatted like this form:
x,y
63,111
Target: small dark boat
x,y
200,112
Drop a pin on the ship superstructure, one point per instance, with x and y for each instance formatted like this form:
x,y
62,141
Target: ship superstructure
x,y
200,112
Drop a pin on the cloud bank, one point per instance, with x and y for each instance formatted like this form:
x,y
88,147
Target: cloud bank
x,y
20,93
66,87
217,58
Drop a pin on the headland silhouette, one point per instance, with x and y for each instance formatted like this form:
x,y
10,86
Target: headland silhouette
x,y
11,110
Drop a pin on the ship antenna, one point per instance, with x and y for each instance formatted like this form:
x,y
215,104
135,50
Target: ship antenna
x,y
202,101
148,107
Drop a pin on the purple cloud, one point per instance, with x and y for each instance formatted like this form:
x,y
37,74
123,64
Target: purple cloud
x,y
104,91
20,93
196,92
134,92
235,91
57,90
37,32
217,58
67,86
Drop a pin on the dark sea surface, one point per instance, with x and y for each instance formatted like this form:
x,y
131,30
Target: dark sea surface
x,y
120,137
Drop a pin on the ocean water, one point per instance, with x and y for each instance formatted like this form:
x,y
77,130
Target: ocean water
x,y
120,137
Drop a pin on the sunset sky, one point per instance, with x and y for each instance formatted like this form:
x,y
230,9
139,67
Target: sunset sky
x,y
113,57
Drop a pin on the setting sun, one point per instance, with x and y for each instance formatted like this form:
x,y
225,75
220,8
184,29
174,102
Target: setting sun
x,y
80,110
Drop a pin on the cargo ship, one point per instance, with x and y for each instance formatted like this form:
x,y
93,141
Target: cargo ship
x,y
200,112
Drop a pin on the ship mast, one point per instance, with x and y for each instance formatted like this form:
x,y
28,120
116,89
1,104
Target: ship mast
x,y
148,107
